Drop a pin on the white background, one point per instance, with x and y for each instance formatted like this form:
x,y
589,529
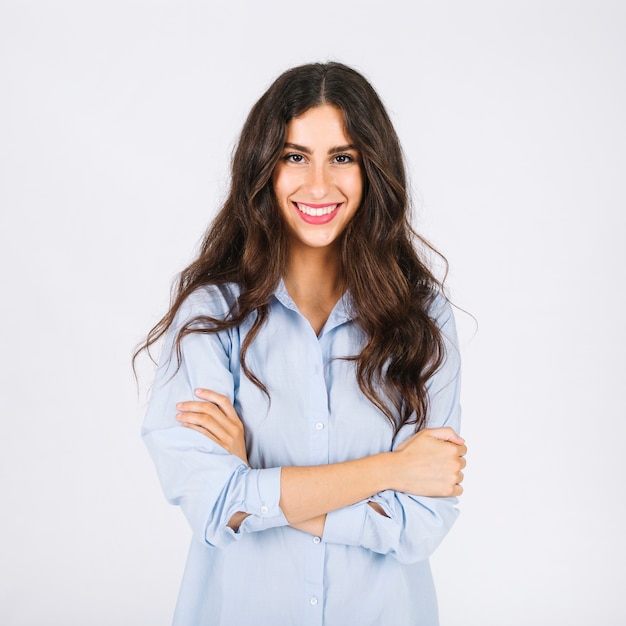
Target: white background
x,y
117,120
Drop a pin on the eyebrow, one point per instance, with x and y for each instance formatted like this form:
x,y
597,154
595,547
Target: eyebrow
x,y
333,150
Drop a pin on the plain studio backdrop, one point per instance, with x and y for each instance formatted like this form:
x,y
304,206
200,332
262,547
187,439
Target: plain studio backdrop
x,y
117,122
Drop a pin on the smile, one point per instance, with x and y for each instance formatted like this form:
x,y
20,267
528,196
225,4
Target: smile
x,y
316,210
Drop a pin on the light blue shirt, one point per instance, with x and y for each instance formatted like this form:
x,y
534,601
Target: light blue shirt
x,y
366,569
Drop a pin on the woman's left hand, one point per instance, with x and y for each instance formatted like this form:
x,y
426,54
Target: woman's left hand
x,y
215,417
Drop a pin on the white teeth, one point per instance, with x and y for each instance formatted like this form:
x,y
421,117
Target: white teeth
x,y
307,210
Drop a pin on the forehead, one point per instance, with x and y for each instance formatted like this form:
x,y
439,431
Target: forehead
x,y
319,125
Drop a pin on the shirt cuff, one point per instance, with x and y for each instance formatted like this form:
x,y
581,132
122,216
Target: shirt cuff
x,y
261,500
345,526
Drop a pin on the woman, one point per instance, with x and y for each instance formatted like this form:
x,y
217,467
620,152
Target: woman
x,y
306,350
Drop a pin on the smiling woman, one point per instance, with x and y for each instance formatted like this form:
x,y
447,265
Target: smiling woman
x,y
306,407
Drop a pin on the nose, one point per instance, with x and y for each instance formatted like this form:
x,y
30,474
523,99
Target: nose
x,y
318,182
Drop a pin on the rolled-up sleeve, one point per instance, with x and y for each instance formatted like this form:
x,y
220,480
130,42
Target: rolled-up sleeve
x,y
414,526
209,484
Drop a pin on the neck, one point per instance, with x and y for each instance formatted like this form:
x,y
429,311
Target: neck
x,y
314,273
313,280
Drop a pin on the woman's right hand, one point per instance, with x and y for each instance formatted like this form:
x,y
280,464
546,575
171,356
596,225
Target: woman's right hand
x,y
214,416
430,463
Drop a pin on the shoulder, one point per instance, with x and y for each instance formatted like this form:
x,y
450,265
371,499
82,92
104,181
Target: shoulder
x,y
440,310
214,301
442,313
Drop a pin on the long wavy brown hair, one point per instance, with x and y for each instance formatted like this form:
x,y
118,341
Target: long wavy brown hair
x,y
383,261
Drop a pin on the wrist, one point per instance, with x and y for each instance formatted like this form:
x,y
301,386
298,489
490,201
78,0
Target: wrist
x,y
236,520
385,471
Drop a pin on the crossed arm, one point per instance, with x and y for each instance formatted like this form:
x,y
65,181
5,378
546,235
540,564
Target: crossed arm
x,y
429,463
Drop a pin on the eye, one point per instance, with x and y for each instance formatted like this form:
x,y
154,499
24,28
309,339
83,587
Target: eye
x,y
343,159
293,157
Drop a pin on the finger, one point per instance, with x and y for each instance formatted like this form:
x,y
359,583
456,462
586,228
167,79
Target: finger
x,y
213,412
214,422
452,491
193,406
446,433
202,431
207,411
205,425
449,490
220,400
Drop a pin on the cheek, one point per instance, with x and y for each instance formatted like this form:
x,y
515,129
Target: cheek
x,y
284,183
357,188
277,179
281,193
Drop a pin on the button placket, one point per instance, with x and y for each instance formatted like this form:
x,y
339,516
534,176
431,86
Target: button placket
x,y
317,433
318,404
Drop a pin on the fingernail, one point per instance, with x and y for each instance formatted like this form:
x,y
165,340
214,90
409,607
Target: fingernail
x,y
179,406
179,417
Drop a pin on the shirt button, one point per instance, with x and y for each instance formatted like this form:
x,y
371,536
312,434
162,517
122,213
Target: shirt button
x,y
319,426
316,539
264,510
313,600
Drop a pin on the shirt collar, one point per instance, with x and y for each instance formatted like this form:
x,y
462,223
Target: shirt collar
x,y
341,313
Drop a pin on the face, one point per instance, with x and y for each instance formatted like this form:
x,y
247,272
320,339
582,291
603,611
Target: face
x,y
318,181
